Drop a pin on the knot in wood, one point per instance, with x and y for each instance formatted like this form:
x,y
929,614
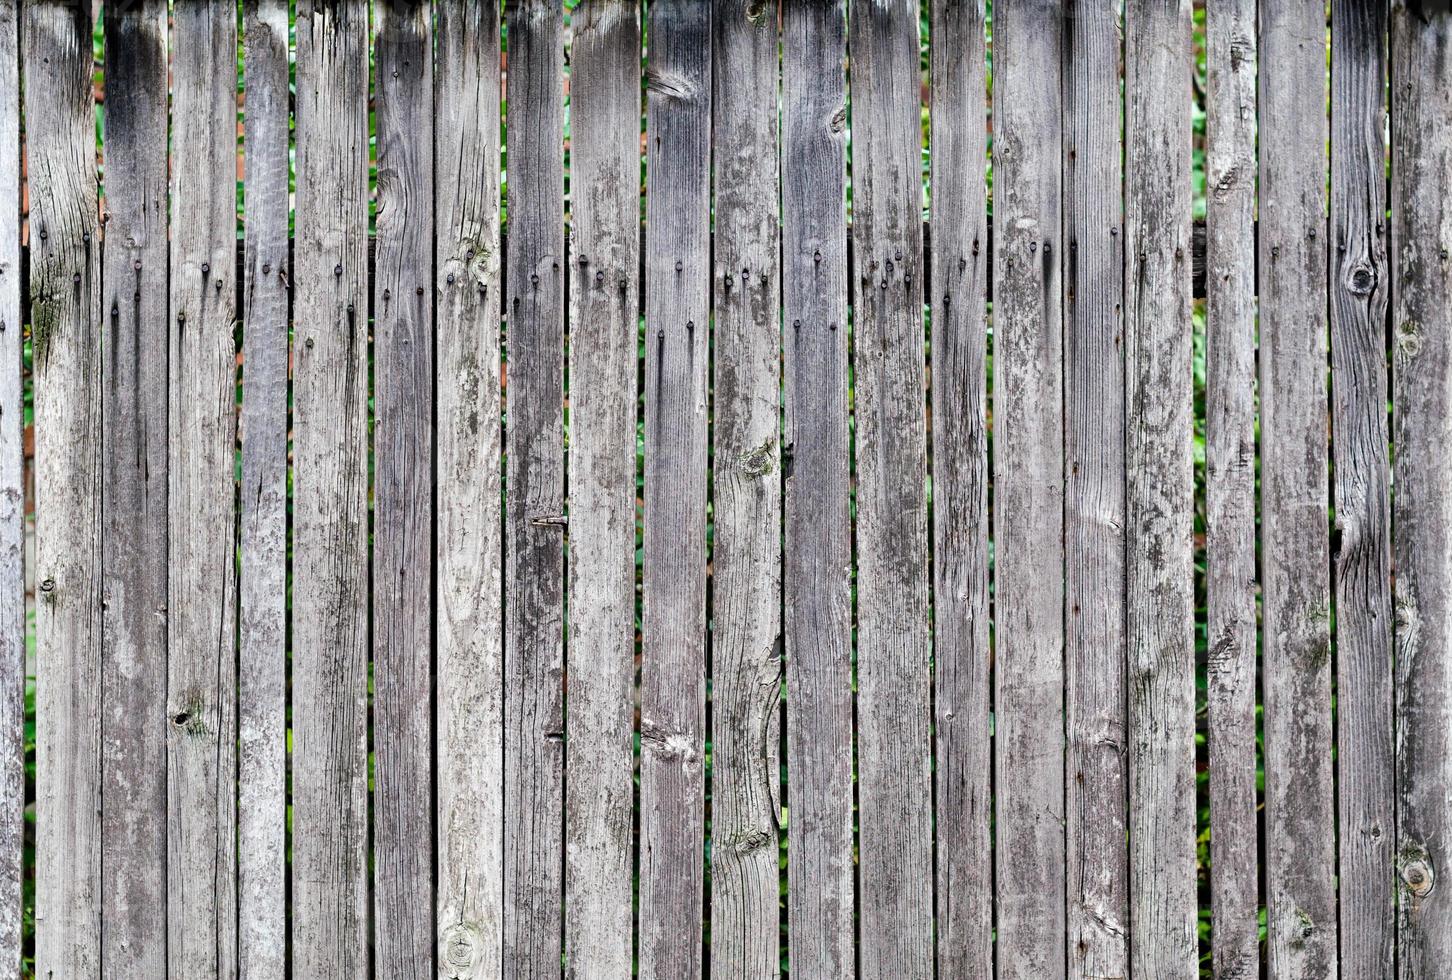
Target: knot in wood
x,y
1418,877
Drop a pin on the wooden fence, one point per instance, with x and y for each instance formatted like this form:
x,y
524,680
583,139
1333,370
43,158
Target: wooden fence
x,y
528,494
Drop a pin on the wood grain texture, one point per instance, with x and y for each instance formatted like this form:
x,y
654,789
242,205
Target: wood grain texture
x,y
1028,497
65,336
468,556
677,356
1421,207
262,666
1360,285
1230,493
403,422
330,495
604,300
962,656
1160,489
817,565
1097,780
746,557
534,526
134,719
12,508
1295,547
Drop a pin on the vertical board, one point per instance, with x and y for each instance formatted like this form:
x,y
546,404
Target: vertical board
x,y
1028,496
604,305
262,667
330,495
1359,286
202,663
1299,805
403,403
816,456
894,649
746,557
535,487
65,338
1421,126
134,726
1160,489
1230,569
1097,777
960,489
12,506
468,545
677,351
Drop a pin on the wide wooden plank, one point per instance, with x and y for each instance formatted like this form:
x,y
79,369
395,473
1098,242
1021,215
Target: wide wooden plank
x,y
134,732
1230,567
1160,490
1359,288
534,526
1028,498
746,555
817,565
403,323
677,353
604,298
330,495
1097,779
1295,543
1421,195
894,649
468,565
12,506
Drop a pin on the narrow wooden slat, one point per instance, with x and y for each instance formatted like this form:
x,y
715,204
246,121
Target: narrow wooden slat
x,y
134,727
1421,194
330,495
65,337
1230,568
677,353
468,545
1360,286
1028,497
1097,780
746,558
403,314
817,566
1299,806
605,244
894,724
12,505
1160,491
534,525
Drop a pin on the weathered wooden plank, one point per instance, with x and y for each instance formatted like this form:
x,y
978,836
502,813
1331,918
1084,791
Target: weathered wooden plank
x,y
1028,497
202,555
677,353
1160,489
894,649
134,496
65,337
1230,567
745,561
1421,193
468,544
1359,289
330,495
1299,805
605,242
403,314
12,506
534,525
817,565
1097,780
